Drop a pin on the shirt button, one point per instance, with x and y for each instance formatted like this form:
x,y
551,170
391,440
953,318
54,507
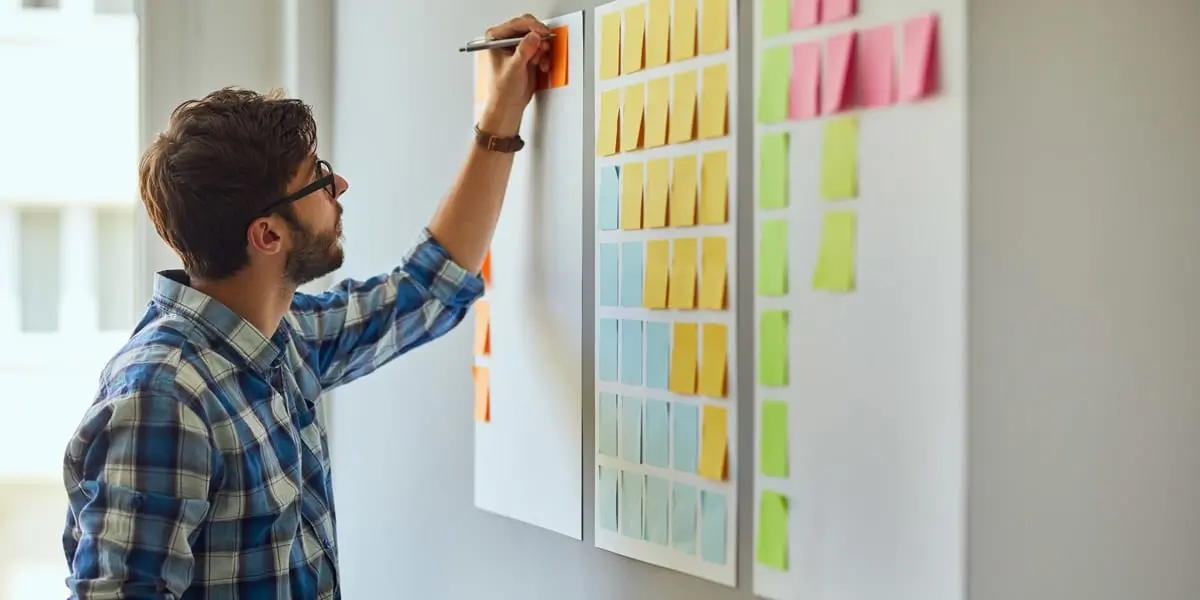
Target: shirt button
x,y
137,502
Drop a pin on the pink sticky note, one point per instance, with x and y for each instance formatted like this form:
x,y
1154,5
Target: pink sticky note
x,y
805,13
839,73
804,99
838,10
877,67
920,75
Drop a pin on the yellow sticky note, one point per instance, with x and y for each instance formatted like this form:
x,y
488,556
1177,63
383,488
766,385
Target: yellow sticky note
x,y
839,159
635,34
683,108
714,101
610,113
835,260
654,289
658,35
712,273
714,338
683,275
610,45
657,180
715,35
631,117
683,32
714,187
631,195
659,92
714,440
683,358
683,192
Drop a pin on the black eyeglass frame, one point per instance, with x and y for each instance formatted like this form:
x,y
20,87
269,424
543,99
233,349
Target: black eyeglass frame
x,y
326,181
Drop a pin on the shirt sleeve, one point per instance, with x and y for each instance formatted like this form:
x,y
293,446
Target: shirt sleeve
x,y
358,326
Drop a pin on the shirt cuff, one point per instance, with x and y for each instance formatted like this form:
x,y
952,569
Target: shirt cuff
x,y
430,265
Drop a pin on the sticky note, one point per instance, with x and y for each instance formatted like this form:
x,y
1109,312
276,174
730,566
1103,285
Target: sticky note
x,y
631,195
683,518
714,187
610,275
658,498
632,486
683,274
633,43
715,338
714,442
804,97
630,431
805,13
838,10
839,159
607,343
771,549
685,437
683,358
772,259
712,526
920,76
659,93
486,270
608,211
631,117
483,78
610,113
774,80
608,424
610,45
773,452
683,108
631,352
658,355
683,191
483,393
606,505
714,98
483,327
559,77
773,171
876,68
658,178
658,257
658,33
775,19
714,23
839,73
773,348
658,434
683,32
631,273
835,259
713,259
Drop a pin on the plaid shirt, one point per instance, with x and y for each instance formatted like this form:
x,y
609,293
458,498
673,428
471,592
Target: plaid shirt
x,y
202,470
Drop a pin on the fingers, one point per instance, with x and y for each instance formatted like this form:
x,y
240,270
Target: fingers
x,y
518,26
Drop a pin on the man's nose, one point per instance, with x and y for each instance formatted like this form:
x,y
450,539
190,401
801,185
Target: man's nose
x,y
340,185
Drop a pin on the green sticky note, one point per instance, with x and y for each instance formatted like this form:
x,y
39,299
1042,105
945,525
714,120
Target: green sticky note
x,y
773,348
775,18
839,159
835,260
776,78
773,171
773,530
774,438
772,258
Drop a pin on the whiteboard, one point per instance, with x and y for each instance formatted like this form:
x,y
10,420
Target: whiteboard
x,y
529,453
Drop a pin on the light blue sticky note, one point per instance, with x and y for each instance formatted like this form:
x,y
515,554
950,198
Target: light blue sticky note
x,y
631,429
712,526
608,424
631,352
683,518
610,275
658,437
631,273
610,199
631,504
686,436
657,500
607,352
607,503
658,355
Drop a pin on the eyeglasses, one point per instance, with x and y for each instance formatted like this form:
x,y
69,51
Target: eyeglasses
x,y
324,180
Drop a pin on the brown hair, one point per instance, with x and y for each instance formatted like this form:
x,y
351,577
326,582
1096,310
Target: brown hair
x,y
221,160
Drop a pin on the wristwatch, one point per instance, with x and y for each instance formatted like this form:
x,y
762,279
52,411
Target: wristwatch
x,y
496,143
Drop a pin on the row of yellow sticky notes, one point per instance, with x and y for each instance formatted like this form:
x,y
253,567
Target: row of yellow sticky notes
x,y
670,277
663,111
675,196
687,354
650,40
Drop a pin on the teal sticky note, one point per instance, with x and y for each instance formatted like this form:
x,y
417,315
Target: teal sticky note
x,y
630,432
631,352
658,355
610,275
608,424
712,526
606,340
686,437
608,209
683,518
607,501
631,273
657,499
658,452
631,504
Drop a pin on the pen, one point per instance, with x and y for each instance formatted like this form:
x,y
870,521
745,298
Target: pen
x,y
477,45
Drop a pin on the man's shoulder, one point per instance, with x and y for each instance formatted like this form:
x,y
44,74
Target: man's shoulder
x,y
159,358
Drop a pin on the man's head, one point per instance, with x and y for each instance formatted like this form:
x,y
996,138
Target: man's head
x,y
234,182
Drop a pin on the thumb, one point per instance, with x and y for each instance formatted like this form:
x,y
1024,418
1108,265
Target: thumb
x,y
526,50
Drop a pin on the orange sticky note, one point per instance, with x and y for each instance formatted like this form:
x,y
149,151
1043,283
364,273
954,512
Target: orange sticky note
x,y
659,92
714,101
683,358
714,338
631,117
714,187
839,73
610,118
657,180
654,289
483,393
635,37
483,78
683,108
683,275
658,34
683,192
483,327
683,34
631,195
558,58
714,35
486,270
714,441
713,259
920,77
610,45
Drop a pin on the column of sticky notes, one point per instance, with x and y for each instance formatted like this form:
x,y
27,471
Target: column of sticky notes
x,y
665,239
483,312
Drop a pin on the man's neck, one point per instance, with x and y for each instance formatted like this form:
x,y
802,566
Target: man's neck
x,y
257,299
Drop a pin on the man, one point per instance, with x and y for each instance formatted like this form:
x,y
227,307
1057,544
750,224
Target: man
x,y
201,470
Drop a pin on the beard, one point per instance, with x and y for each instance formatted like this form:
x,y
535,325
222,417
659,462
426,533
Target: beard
x,y
315,255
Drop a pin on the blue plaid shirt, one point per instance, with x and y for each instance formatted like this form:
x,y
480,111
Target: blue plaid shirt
x,y
202,469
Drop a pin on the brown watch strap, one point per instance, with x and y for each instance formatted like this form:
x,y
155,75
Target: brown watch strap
x,y
496,143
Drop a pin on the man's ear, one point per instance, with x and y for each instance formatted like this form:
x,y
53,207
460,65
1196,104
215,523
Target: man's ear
x,y
266,235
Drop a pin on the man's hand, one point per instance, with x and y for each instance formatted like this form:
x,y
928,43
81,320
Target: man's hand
x,y
514,73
